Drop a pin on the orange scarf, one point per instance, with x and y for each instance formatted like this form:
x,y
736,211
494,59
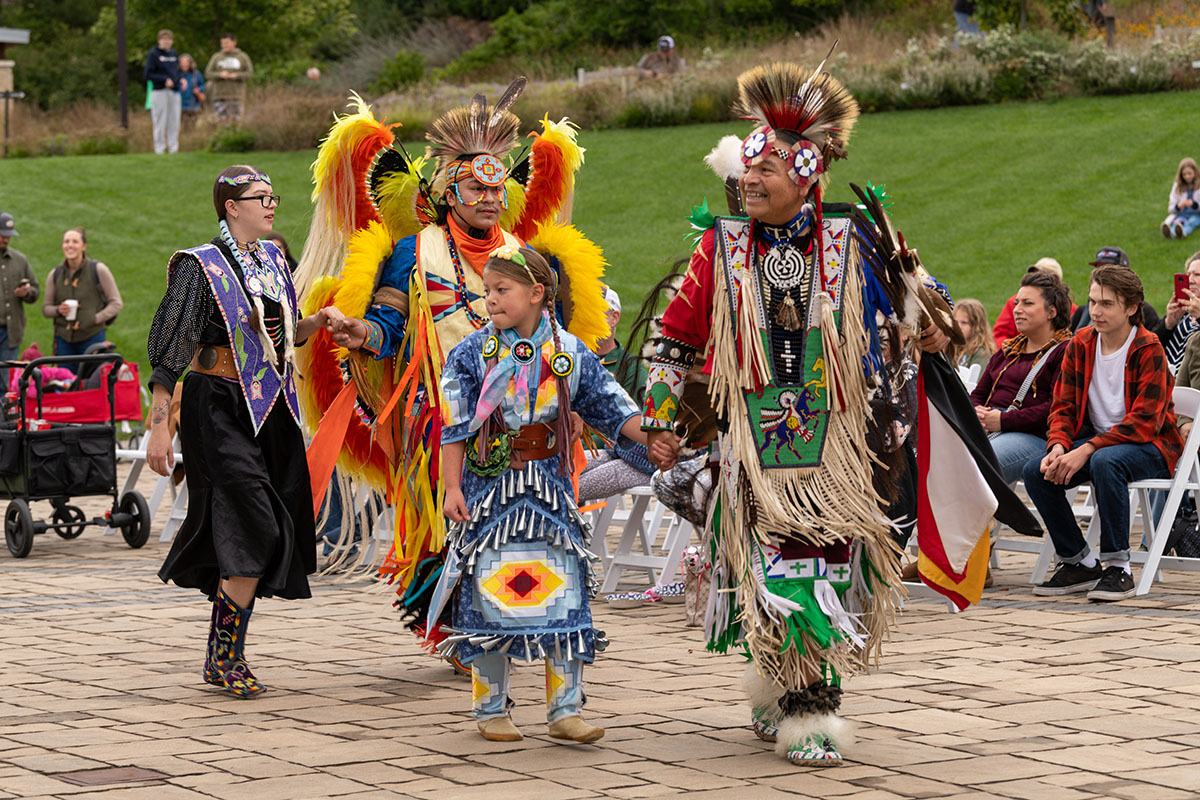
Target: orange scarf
x,y
475,251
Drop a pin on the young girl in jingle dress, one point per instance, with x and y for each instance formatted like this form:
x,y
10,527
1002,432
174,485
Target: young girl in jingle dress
x,y
518,572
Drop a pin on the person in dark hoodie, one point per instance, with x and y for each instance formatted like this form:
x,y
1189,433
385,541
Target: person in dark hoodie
x,y
162,72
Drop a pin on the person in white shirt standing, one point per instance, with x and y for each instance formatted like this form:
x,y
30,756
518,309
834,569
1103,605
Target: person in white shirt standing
x,y
1112,422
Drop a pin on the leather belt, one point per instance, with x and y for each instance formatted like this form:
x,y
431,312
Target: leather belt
x,y
213,360
534,442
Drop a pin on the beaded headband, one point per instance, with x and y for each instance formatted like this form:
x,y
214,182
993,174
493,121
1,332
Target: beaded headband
x,y
803,158
488,170
242,180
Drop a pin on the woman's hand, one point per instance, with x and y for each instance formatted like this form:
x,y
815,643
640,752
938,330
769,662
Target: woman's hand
x,y
1185,429
989,418
160,456
576,427
63,309
455,505
1192,304
1175,312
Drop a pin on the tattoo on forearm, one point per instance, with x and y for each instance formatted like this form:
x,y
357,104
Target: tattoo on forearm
x,y
159,415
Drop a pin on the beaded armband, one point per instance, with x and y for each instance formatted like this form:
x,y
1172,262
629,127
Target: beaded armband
x,y
664,383
374,341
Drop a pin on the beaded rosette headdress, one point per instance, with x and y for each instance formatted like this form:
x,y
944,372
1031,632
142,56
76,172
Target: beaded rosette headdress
x,y
803,118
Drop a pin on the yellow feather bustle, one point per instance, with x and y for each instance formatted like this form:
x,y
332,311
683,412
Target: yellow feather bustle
x,y
396,198
582,263
516,204
368,249
336,180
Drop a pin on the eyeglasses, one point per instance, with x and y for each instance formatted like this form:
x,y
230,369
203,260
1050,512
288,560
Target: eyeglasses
x,y
267,200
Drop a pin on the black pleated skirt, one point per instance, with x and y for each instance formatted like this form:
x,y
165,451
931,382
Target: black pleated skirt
x,y
249,499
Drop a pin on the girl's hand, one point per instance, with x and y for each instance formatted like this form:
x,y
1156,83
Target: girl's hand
x,y
455,506
663,447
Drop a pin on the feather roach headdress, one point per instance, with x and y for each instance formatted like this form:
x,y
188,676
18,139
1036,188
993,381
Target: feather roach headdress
x,y
804,118
475,129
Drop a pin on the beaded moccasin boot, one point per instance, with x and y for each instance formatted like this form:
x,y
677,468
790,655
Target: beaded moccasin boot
x,y
211,674
810,731
229,643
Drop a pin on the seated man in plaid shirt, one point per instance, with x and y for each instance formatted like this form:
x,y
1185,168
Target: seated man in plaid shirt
x,y
1112,422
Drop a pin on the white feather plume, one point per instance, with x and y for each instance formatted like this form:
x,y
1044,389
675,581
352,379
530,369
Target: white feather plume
x,y
726,158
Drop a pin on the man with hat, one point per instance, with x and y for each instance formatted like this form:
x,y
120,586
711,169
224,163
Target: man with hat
x,y
18,285
662,61
628,371
1112,256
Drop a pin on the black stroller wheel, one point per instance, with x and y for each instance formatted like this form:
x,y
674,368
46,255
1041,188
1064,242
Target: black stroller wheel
x,y
18,528
69,514
137,530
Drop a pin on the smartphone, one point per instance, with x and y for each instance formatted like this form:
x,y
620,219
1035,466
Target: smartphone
x,y
1181,286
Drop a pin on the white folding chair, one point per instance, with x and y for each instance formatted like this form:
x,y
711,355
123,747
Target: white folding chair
x,y
644,523
1185,479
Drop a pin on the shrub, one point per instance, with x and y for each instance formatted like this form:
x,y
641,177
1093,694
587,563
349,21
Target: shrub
x,y
100,146
232,139
399,72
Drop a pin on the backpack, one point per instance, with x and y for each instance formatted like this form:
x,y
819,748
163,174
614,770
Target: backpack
x,y
94,269
1184,538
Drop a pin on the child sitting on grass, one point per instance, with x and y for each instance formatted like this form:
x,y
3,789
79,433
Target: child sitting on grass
x,y
1183,206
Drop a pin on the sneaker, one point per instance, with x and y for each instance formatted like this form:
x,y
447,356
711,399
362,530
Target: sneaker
x,y
1178,230
1068,579
1114,584
1166,229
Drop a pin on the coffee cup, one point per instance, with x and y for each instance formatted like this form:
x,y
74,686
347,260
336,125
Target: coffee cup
x,y
72,308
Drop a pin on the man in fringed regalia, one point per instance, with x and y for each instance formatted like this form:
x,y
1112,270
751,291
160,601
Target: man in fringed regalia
x,y
777,313
401,256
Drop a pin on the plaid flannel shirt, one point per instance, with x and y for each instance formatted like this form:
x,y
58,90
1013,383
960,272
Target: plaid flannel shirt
x,y
1149,414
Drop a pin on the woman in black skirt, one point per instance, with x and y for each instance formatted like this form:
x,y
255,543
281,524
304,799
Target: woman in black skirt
x,y
229,317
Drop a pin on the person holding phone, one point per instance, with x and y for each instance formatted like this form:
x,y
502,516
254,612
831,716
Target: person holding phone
x,y
1183,314
18,286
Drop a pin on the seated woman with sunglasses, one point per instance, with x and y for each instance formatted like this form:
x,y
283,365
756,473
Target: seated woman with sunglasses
x,y
229,317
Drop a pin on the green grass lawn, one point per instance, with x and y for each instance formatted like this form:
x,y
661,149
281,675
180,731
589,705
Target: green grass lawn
x,y
982,192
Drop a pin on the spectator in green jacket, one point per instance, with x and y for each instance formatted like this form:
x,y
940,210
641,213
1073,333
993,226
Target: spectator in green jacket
x,y
227,73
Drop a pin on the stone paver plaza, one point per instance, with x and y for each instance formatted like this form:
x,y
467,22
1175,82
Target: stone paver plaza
x,y
1023,698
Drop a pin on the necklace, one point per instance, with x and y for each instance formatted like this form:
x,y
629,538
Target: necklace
x,y
461,282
